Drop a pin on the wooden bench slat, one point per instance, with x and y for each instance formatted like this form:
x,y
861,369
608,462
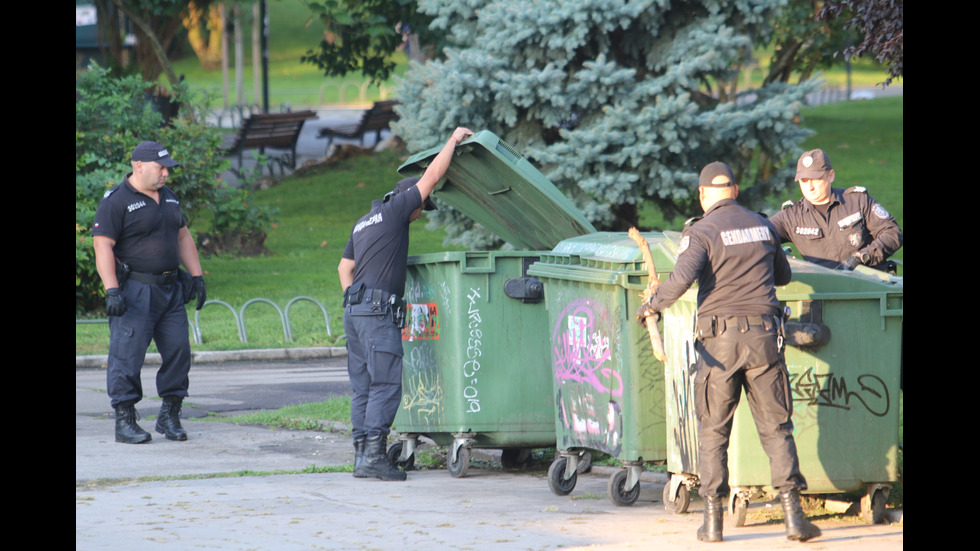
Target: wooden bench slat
x,y
376,119
274,130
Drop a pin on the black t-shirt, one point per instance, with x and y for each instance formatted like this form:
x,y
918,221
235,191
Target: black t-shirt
x,y
734,255
378,243
145,231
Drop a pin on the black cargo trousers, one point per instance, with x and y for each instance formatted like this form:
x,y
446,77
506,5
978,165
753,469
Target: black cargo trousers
x,y
374,363
153,312
735,353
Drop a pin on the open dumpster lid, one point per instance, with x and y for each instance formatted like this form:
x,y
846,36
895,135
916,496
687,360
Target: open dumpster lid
x,y
497,187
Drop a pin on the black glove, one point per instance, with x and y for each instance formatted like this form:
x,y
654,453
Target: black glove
x,y
115,302
851,262
197,282
644,311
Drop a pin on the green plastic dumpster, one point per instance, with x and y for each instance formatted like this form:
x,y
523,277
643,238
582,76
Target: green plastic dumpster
x,y
608,387
477,360
843,353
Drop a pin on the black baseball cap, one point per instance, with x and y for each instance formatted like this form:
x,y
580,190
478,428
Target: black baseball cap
x,y
711,170
407,183
152,151
813,165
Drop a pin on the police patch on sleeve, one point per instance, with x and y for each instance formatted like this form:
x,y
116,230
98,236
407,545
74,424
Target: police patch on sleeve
x,y
880,211
685,243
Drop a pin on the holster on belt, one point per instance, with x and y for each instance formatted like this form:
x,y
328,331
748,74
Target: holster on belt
x,y
353,294
122,272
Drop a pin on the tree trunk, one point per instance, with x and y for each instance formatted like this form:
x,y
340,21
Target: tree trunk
x,y
204,32
156,48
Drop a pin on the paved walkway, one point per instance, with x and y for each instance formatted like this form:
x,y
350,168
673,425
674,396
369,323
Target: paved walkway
x,y
225,488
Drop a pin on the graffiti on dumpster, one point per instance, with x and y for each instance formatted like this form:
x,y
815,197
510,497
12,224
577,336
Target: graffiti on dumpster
x,y
421,322
474,350
828,390
595,426
581,351
423,391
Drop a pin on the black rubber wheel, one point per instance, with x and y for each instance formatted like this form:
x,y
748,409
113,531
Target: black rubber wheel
x,y
617,490
876,513
462,464
682,502
395,452
556,478
740,508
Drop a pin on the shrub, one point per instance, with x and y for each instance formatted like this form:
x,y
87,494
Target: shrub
x,y
89,189
114,114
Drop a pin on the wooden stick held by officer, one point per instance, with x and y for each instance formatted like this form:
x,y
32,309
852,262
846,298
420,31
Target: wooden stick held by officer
x,y
656,342
372,271
735,256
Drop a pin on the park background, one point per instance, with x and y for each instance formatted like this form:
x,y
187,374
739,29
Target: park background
x,y
310,211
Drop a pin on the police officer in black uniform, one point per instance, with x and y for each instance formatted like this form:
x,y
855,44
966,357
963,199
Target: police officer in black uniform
x,y
140,239
833,227
372,273
735,257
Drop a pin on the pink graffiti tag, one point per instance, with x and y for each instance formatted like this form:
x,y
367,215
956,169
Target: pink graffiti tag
x,y
580,350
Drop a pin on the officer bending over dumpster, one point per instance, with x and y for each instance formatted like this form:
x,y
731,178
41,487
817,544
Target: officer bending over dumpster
x,y
833,227
735,256
372,273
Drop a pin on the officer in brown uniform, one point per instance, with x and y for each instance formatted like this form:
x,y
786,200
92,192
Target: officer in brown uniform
x,y
833,227
735,256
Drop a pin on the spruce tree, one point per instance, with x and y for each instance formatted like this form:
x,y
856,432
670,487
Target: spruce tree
x,y
617,102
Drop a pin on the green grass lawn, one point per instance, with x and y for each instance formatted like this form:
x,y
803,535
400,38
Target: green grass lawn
x,y
318,207
291,35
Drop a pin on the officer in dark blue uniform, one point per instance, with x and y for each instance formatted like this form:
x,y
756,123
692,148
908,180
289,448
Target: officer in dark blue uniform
x,y
372,273
833,227
735,256
140,239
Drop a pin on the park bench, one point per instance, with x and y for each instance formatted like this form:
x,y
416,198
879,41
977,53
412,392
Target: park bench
x,y
269,130
375,119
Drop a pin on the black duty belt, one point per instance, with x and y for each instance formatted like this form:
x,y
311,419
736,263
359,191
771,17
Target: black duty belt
x,y
357,294
166,278
709,327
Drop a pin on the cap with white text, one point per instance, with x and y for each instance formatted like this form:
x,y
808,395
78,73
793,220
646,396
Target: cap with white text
x,y
152,151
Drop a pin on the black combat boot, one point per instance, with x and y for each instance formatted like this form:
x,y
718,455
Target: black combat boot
x,y
376,461
798,528
359,444
710,529
127,430
168,420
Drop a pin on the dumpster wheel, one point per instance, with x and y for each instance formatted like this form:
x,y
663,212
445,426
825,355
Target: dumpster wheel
x,y
394,457
617,490
459,467
559,484
873,503
738,510
683,500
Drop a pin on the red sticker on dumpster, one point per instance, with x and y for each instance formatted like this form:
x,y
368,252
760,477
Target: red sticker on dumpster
x,y
421,322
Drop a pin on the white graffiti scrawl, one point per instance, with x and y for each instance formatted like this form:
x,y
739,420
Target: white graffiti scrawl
x,y
474,351
581,352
